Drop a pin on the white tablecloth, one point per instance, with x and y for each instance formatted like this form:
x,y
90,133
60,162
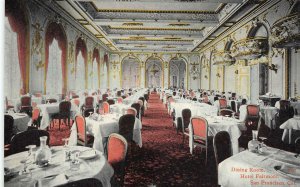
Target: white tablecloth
x,y
219,123
97,167
102,129
288,126
197,109
248,169
268,114
21,122
49,109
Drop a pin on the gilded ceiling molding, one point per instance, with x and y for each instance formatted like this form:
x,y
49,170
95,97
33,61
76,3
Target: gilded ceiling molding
x,y
156,28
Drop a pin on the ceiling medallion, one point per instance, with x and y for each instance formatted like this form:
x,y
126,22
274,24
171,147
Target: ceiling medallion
x,y
133,24
179,24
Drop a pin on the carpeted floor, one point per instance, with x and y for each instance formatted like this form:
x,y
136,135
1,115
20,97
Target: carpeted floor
x,y
162,161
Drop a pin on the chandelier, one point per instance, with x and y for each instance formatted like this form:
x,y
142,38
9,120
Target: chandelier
x,y
195,72
250,48
285,32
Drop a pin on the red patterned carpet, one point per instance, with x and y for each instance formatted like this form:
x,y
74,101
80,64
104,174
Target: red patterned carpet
x,y
162,161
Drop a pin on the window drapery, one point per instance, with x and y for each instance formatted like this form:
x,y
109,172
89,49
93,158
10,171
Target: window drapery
x,y
57,55
54,79
12,74
18,24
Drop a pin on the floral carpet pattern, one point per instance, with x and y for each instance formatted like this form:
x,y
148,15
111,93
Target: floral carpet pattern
x,y
163,160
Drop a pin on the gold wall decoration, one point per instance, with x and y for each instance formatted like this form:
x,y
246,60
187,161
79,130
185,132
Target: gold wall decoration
x,y
39,65
133,24
179,24
71,52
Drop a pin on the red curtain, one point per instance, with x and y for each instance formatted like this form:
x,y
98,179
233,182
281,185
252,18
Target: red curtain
x,y
55,31
96,55
80,46
17,20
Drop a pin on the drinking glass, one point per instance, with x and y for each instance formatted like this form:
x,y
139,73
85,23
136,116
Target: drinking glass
x,y
67,153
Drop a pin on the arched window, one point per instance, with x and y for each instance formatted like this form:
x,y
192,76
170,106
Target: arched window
x,y
95,78
54,79
16,49
12,74
55,54
81,56
80,72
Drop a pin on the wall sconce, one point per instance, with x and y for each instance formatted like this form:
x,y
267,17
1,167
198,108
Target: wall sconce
x,y
236,71
195,72
218,75
273,67
205,77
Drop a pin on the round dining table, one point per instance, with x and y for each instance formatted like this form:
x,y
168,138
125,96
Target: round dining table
x,y
60,170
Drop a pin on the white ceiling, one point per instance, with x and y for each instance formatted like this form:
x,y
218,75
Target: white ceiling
x,y
150,25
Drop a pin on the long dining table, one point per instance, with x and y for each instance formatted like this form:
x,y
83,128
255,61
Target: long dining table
x,y
272,167
92,164
101,127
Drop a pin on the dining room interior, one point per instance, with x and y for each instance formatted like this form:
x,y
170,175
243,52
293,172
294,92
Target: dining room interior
x,y
151,93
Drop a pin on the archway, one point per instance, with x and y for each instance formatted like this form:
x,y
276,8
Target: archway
x,y
177,72
130,72
154,72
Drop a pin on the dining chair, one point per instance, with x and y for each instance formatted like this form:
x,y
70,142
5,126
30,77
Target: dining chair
x,y
222,103
106,107
111,101
141,102
116,156
88,104
120,100
226,112
83,138
26,105
64,113
137,107
132,111
285,112
222,146
25,138
76,102
126,125
199,130
8,128
104,97
36,119
8,105
124,96
186,117
51,100
90,182
146,96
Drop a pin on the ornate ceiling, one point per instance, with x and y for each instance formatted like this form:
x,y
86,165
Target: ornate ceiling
x,y
152,25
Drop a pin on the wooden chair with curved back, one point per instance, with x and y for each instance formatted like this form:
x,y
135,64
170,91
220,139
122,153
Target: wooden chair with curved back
x,y
110,101
186,117
116,155
222,146
25,138
83,138
226,112
64,113
106,107
222,103
132,111
200,133
90,182
26,105
137,107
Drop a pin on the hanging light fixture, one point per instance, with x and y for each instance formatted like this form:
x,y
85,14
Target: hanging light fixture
x,y
195,72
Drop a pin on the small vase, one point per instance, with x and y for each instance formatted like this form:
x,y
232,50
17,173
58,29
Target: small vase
x,y
253,145
43,154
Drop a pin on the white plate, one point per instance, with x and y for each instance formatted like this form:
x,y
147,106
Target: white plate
x,y
88,154
291,171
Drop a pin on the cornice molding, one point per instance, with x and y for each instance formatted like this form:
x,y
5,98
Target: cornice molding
x,y
242,22
71,21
